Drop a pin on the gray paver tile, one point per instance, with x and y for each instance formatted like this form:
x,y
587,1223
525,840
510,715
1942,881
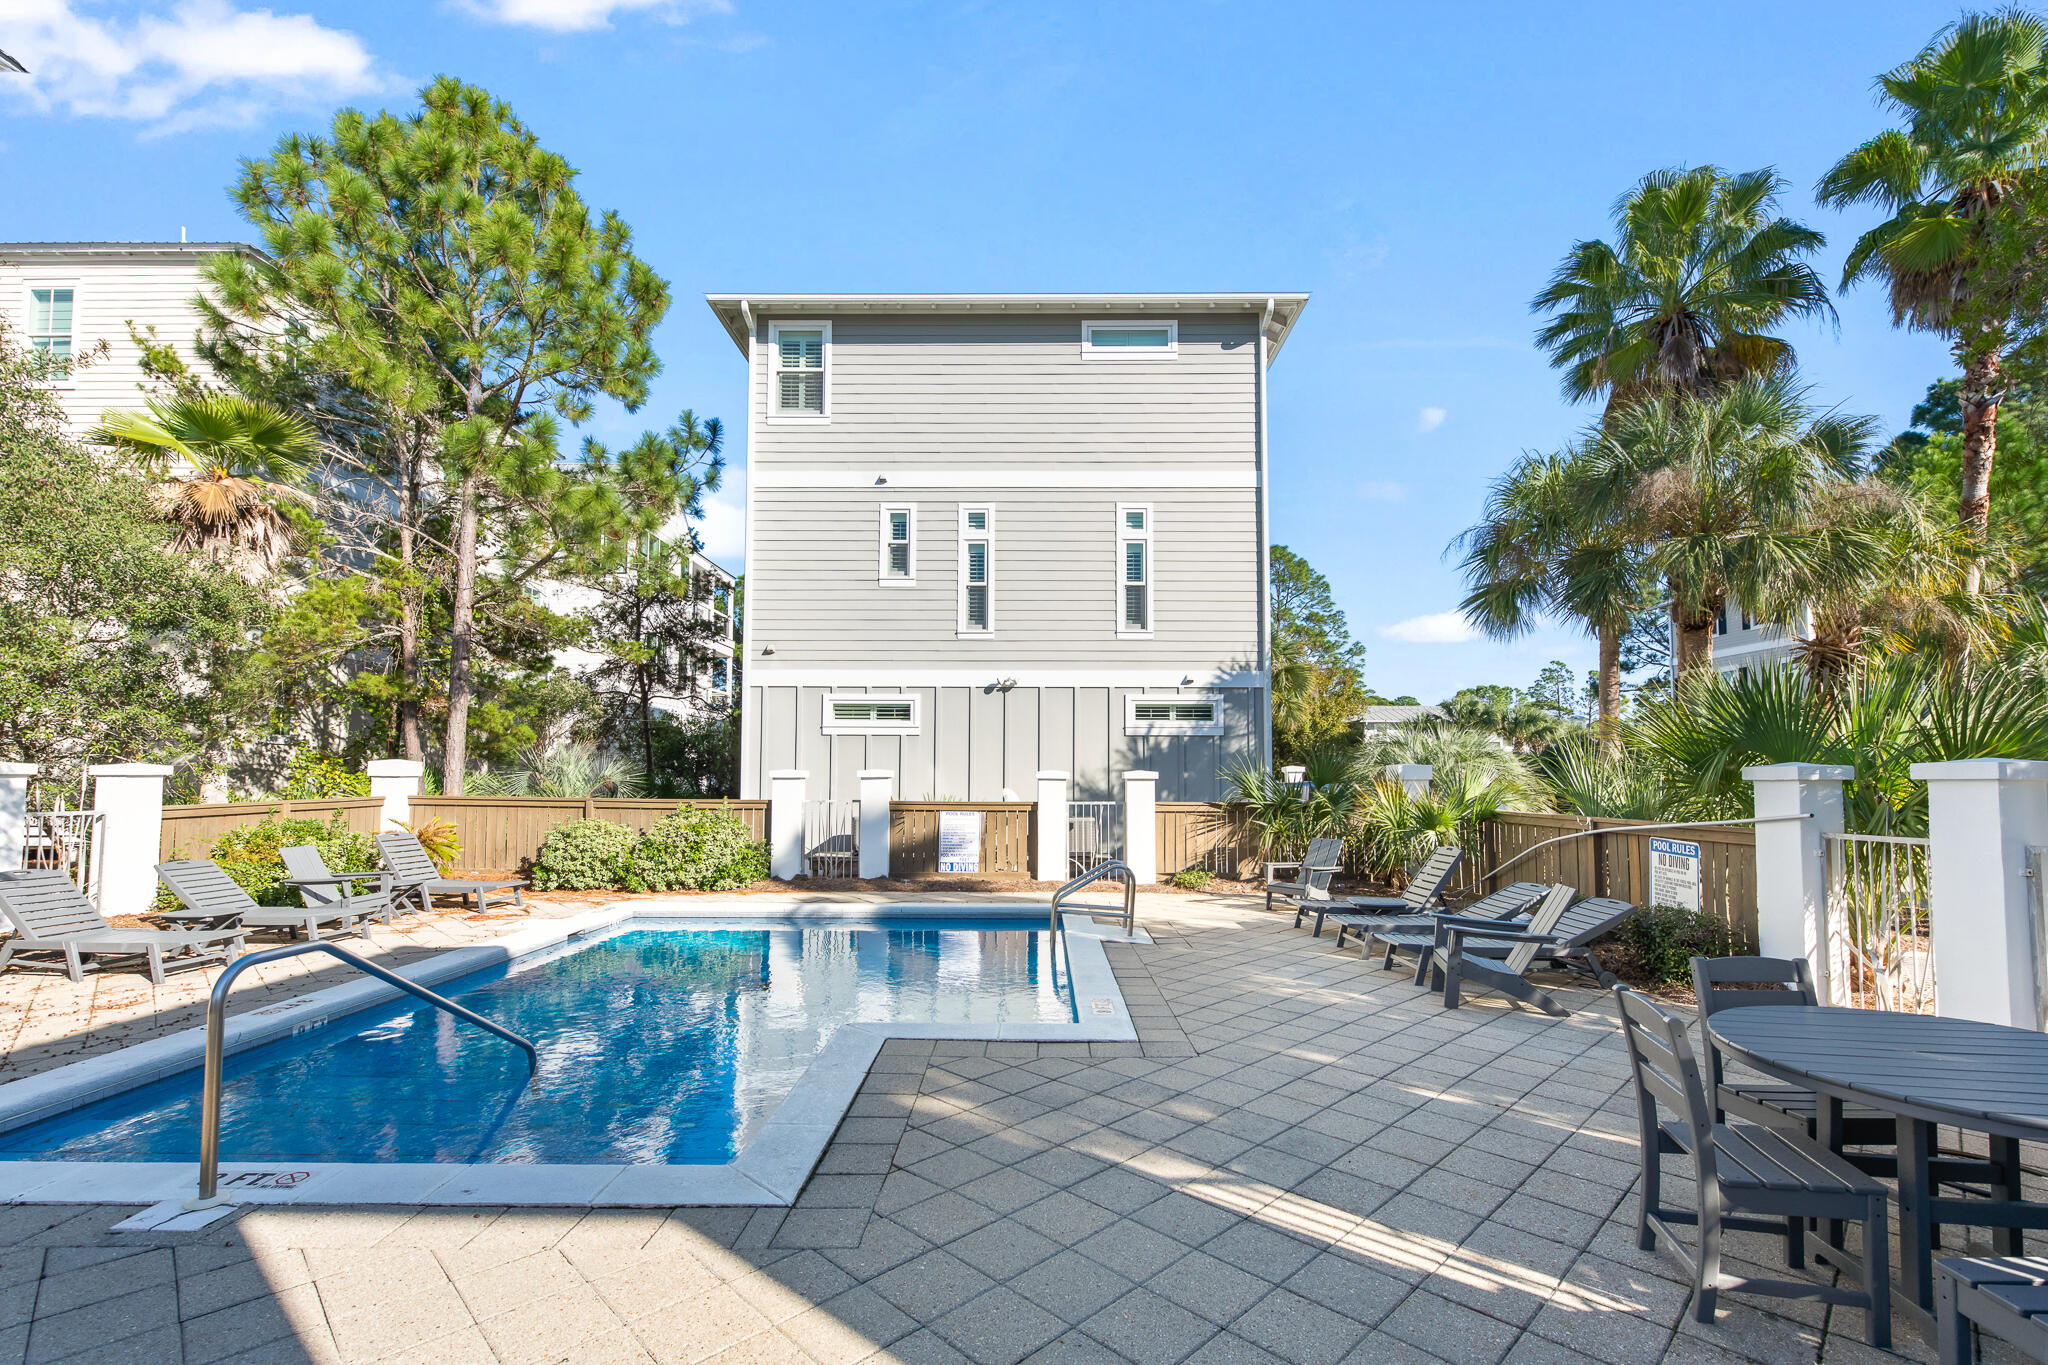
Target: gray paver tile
x,y
1132,1250
1000,1327
1298,1330
1215,1289
932,1285
1149,1330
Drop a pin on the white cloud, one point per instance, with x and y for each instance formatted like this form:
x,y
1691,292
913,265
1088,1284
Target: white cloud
x,y
575,16
199,63
1382,490
1443,628
724,527
1429,419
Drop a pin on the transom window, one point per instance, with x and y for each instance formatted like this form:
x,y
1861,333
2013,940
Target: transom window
x,y
871,714
1134,570
1130,340
1204,711
49,327
1175,715
977,553
800,382
899,545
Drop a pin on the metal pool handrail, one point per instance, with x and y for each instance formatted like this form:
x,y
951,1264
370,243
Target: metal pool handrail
x,y
216,1027
1096,873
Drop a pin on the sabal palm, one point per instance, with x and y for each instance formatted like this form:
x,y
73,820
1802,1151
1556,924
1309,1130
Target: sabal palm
x,y
1701,269
1975,109
238,456
1726,494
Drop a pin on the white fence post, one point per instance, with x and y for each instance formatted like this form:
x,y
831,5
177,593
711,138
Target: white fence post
x,y
397,780
1293,774
130,799
1791,860
1983,814
1413,777
786,822
875,793
1051,853
1141,825
14,812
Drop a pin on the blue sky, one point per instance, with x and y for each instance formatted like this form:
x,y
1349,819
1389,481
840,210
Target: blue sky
x,y
1418,168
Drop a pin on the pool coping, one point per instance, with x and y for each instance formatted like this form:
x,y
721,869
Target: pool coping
x,y
770,1170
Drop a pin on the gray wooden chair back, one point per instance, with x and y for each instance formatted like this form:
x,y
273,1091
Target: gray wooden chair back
x,y
1549,912
1430,878
1746,976
1505,903
406,859
1665,1072
305,861
45,904
202,886
1591,918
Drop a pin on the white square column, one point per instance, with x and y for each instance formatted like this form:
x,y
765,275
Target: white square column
x,y
786,788
130,800
1982,816
1791,861
398,781
1141,825
1050,856
876,789
14,812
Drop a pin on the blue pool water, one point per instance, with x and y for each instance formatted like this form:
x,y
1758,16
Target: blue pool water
x,y
664,1043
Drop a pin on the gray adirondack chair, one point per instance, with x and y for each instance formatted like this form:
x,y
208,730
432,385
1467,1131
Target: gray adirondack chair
x,y
210,896
1501,961
1426,940
1426,886
51,917
1749,1178
2006,1296
320,888
1312,876
1507,903
414,874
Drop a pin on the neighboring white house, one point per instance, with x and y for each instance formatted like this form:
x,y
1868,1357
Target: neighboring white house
x,y
1374,722
711,670
65,297
1742,642
990,534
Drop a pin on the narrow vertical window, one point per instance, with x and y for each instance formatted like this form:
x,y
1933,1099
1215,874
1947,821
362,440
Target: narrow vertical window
x,y
899,551
1134,570
720,677
49,327
799,385
977,554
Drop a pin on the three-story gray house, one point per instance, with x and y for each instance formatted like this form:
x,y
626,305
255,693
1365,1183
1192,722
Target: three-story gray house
x,y
990,534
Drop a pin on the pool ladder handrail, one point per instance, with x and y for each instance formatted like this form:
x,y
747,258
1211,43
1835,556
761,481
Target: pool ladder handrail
x,y
1129,909
216,1031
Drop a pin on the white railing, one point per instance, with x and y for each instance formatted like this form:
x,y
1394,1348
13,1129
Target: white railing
x,y
831,838
1095,835
65,839
2037,881
1880,952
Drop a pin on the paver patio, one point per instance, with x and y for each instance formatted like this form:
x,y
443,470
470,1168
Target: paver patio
x,y
1304,1159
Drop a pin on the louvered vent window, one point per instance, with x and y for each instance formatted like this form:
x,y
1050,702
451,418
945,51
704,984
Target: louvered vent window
x,y
896,711
852,713
1193,712
800,372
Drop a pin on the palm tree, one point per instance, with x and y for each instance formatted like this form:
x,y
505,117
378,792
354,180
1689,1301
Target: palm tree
x,y
1727,493
241,455
1975,106
1539,551
1685,297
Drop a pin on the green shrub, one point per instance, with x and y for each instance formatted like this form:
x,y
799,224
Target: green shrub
x,y
248,853
1662,940
1191,879
584,855
312,776
697,850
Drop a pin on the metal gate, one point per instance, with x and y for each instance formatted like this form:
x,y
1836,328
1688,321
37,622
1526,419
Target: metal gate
x,y
67,840
831,838
1880,953
1095,834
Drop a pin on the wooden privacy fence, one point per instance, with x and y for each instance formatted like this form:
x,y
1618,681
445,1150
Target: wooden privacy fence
x,y
1007,836
1215,838
189,831
504,833
1616,862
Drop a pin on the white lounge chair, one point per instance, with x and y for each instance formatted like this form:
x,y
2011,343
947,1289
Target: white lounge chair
x,y
51,916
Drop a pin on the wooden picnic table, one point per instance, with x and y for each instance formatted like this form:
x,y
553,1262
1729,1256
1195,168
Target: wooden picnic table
x,y
1928,1070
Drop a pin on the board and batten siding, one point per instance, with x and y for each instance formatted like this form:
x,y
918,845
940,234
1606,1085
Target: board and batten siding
x,y
973,743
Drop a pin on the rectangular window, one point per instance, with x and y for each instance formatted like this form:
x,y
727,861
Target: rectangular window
x,y
800,380
871,714
1721,621
49,327
1176,715
721,676
977,570
1748,623
899,545
1134,570
1130,340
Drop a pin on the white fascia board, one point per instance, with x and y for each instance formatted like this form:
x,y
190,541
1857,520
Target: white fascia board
x,y
1149,477
762,676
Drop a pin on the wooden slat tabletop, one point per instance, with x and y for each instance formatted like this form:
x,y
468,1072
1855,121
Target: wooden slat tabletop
x,y
1984,1077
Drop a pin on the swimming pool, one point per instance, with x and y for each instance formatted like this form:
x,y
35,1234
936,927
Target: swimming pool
x,y
661,1042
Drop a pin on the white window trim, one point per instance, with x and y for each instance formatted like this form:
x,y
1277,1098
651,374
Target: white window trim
x,y
1090,351
882,574
1134,726
1124,536
28,316
773,415
912,726
961,629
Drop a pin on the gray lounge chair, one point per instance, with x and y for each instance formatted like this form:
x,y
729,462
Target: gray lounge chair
x,y
1505,904
2005,1296
1479,952
319,888
414,874
1311,876
212,898
50,916
1424,937
1426,885
1748,1178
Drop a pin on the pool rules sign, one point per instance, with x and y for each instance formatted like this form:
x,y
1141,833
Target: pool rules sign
x,y
1675,873
960,841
